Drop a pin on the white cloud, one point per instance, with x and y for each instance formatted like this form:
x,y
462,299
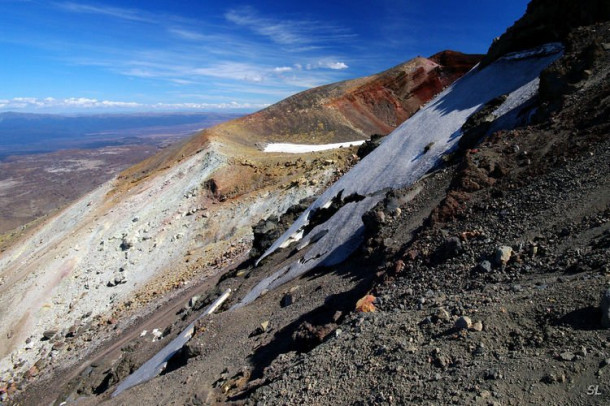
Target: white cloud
x,y
181,81
233,70
84,103
299,34
141,73
187,34
335,65
116,12
282,69
279,32
203,106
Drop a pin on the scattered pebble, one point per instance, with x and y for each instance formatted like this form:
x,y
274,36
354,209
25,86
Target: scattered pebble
x,y
477,326
502,254
463,322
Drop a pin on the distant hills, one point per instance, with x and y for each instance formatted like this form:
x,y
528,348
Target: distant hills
x,y
32,133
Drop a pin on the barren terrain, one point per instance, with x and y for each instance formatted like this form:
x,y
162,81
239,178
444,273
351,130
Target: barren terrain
x,y
471,272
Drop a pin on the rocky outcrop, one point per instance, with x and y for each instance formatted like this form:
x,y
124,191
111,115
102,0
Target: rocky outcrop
x,y
547,21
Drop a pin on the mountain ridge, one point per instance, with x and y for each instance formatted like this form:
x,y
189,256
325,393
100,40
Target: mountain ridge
x,y
184,215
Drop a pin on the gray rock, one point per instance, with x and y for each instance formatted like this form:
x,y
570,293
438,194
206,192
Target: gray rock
x,y
287,300
442,314
117,280
502,254
605,307
463,322
193,301
567,356
492,374
484,267
48,334
126,244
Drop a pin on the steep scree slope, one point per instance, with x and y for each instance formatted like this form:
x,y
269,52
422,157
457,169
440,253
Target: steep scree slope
x,y
180,218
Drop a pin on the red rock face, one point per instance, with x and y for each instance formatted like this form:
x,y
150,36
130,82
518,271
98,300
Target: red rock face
x,y
339,112
353,109
383,103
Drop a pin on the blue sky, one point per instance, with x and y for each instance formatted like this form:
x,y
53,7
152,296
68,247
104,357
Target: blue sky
x,y
159,55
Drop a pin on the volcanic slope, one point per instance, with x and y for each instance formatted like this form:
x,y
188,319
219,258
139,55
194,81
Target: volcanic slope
x,y
486,273
185,214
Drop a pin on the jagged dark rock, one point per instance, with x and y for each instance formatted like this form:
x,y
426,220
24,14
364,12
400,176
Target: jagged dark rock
x,y
547,21
369,145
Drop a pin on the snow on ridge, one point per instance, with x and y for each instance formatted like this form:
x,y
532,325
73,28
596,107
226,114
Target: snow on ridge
x,y
303,148
406,155
543,50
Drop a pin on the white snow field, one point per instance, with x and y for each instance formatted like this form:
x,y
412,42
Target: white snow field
x,y
303,148
400,160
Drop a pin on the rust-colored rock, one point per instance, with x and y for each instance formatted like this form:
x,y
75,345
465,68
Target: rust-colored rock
x,y
365,304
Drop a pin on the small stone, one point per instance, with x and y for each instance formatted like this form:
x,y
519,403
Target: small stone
x,y
32,372
442,314
463,322
126,244
411,349
492,374
157,334
48,334
605,307
483,267
477,326
365,304
337,315
480,350
265,325
567,356
517,288
193,301
287,300
502,254
552,378
72,331
485,394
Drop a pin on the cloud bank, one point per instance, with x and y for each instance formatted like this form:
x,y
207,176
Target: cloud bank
x,y
83,103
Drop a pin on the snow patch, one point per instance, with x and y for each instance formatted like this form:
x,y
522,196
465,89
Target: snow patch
x,y
405,157
543,50
304,148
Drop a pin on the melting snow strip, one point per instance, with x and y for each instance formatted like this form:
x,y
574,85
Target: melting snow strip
x,y
303,148
157,364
